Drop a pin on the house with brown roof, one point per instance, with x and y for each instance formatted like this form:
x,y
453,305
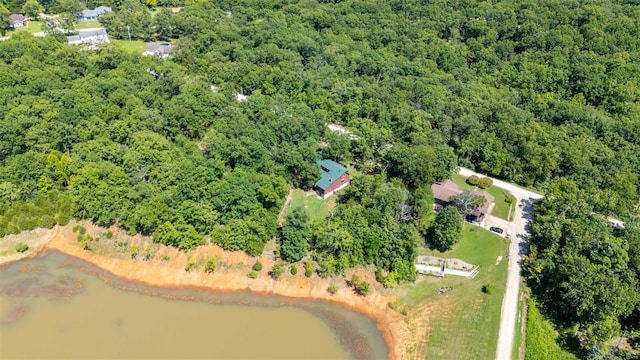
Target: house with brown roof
x,y
445,190
18,21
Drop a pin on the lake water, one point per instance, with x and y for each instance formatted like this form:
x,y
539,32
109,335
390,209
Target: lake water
x,y
56,306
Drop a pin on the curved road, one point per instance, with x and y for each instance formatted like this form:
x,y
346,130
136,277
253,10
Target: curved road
x,y
517,249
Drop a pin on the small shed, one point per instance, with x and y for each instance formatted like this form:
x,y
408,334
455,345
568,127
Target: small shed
x,y
333,177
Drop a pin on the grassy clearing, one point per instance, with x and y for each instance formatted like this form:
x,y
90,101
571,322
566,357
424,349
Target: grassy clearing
x,y
34,26
135,46
502,209
477,246
463,322
89,24
316,208
541,338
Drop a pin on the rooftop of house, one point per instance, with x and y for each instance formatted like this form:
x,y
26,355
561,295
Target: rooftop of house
x,y
330,172
162,48
16,17
87,34
443,191
95,12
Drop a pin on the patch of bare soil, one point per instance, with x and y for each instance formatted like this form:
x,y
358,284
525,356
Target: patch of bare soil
x,y
36,239
165,267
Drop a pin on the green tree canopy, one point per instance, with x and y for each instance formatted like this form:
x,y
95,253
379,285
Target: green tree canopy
x,y
446,229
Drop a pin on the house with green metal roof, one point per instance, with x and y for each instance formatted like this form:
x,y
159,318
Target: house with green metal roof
x,y
333,177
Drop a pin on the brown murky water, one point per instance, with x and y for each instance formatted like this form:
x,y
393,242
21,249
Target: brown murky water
x,y
56,307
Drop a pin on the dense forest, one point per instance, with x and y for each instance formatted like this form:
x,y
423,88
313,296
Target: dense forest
x,y
542,93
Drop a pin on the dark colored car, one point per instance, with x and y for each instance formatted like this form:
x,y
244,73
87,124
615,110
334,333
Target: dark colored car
x,y
496,230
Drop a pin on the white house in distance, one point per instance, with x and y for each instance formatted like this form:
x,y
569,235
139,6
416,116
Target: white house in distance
x,y
89,37
94,14
162,49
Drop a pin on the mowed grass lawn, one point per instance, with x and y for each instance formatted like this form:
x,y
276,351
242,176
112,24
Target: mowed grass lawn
x,y
135,46
34,26
461,181
501,208
316,208
89,24
462,323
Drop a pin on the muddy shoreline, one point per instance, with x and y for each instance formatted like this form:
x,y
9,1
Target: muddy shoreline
x,y
230,277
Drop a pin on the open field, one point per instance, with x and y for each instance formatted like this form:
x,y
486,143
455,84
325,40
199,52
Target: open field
x,y
317,209
463,322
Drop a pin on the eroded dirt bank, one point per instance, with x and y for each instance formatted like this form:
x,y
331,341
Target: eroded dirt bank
x,y
166,268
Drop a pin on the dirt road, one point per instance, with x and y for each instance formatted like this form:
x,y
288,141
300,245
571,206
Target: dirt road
x,y
517,249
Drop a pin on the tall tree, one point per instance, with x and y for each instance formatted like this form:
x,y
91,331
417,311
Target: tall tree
x,y
467,202
32,9
69,11
295,231
446,229
5,21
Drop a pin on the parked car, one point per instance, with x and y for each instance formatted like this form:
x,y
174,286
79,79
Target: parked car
x,y
496,230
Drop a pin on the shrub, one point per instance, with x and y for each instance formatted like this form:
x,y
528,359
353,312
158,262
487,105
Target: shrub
x,y
84,240
257,266
210,267
308,269
253,274
473,180
21,247
488,288
76,228
108,234
134,251
166,257
333,289
508,198
293,270
148,254
82,230
361,287
276,271
390,280
190,263
485,183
